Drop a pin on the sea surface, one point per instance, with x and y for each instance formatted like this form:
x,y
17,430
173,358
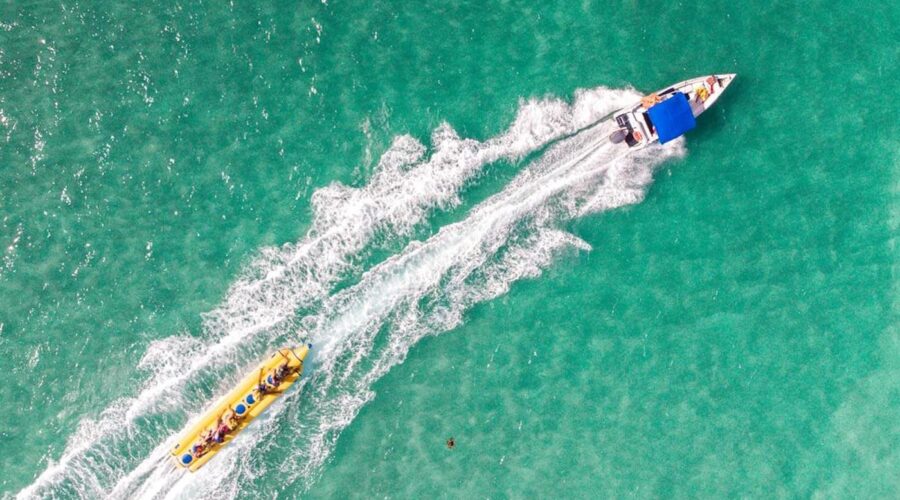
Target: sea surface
x,y
186,186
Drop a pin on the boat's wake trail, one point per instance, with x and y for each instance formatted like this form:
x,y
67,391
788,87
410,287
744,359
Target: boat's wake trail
x,y
361,331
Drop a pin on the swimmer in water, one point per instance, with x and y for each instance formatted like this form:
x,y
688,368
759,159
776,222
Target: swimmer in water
x,y
451,443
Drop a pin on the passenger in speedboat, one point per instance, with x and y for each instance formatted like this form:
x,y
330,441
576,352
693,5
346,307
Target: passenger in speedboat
x,y
702,94
649,100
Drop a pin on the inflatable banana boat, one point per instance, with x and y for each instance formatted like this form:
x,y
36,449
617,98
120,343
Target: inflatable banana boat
x,y
234,412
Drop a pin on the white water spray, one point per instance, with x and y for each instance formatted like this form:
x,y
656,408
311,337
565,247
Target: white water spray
x,y
364,330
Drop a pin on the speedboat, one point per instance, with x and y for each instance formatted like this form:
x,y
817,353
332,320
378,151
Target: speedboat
x,y
667,114
224,420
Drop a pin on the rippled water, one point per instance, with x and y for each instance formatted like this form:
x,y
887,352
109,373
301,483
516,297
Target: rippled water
x,y
185,188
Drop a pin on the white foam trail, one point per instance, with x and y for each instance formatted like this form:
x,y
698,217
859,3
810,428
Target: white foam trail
x,y
365,330
262,305
426,289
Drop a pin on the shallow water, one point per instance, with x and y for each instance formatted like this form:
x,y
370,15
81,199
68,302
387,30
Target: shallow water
x,y
186,188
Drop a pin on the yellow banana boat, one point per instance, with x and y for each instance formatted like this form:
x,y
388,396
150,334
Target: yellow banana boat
x,y
259,389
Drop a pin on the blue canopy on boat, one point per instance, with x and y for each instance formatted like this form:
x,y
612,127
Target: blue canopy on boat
x,y
672,117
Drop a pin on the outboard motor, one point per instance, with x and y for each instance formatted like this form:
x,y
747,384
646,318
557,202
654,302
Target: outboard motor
x,y
618,136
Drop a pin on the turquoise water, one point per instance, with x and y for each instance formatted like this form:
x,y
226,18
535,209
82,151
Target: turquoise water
x,y
185,188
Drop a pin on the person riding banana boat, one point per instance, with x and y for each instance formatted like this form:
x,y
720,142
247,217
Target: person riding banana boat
x,y
229,420
275,377
235,410
226,423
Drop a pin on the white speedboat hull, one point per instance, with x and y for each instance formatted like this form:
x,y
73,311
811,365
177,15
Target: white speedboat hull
x,y
637,128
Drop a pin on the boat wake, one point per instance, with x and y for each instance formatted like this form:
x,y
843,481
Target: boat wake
x,y
361,321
